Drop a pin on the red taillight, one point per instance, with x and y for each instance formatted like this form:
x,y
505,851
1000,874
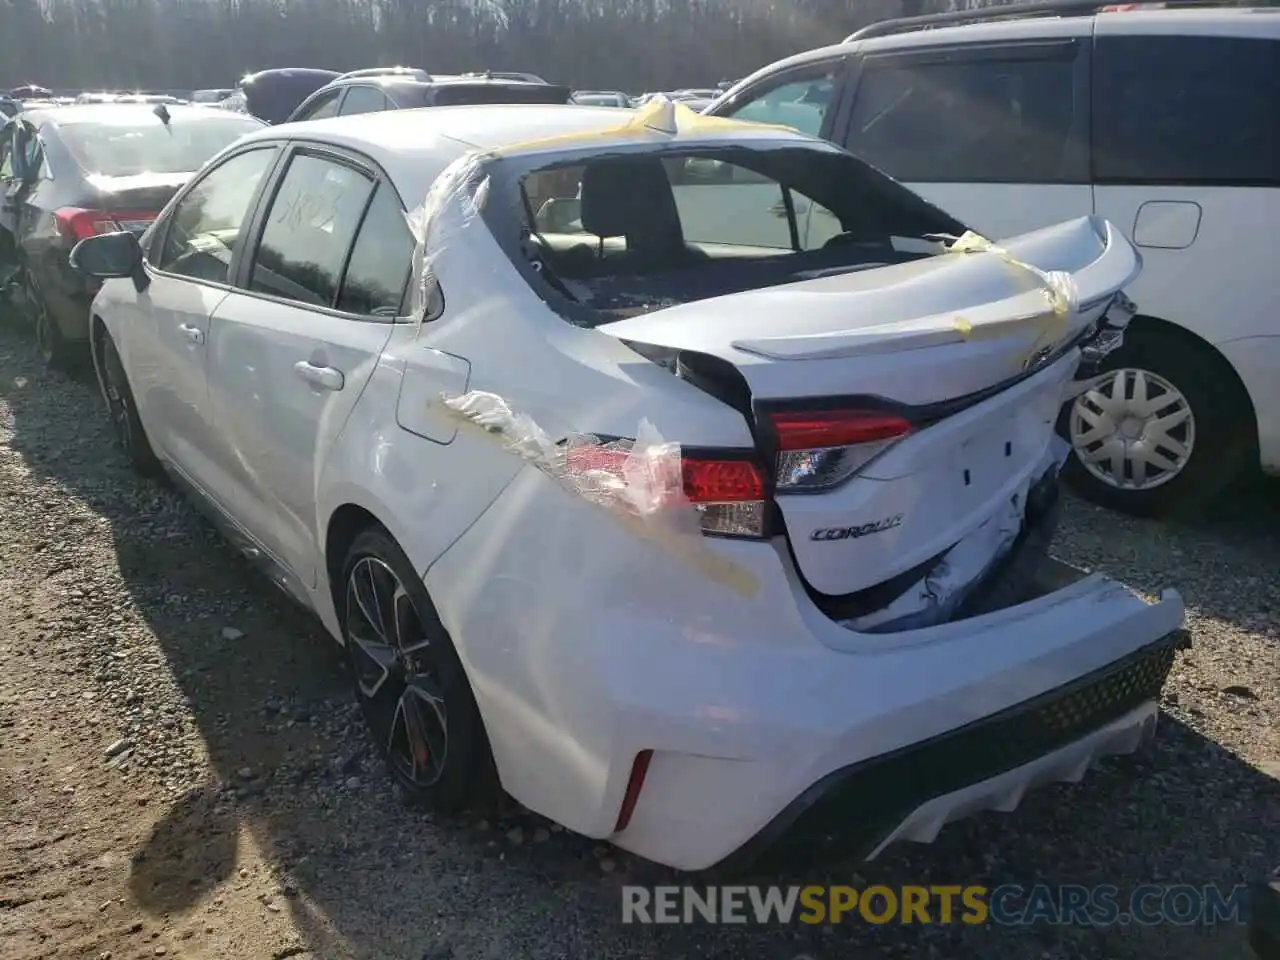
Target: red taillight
x,y
78,223
721,481
836,428
824,448
727,491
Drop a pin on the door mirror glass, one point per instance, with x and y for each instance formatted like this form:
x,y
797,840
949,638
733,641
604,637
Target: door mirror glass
x,y
108,256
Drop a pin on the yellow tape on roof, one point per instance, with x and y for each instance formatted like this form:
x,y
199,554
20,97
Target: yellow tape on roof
x,y
660,116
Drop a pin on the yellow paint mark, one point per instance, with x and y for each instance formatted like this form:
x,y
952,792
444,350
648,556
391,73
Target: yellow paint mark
x,y
659,117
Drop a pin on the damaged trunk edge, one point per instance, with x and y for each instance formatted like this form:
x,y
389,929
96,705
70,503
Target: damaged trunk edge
x,y
969,352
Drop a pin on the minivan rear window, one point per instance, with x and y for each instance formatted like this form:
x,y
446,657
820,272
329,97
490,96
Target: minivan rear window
x,y
125,148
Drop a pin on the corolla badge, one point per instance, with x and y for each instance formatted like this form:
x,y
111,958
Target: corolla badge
x,y
860,530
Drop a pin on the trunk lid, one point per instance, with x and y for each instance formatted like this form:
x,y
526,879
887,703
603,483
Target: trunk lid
x,y
963,348
135,201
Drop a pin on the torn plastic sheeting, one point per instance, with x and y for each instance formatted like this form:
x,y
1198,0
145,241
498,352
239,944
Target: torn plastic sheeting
x,y
639,482
935,598
455,199
1059,288
660,115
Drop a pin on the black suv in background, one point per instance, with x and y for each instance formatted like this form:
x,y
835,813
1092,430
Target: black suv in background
x,y
402,89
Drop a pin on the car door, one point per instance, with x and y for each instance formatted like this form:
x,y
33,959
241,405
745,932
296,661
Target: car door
x,y
995,134
163,336
292,347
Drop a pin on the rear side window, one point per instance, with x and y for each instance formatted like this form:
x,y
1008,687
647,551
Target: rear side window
x,y
309,229
986,119
325,106
1186,109
380,260
364,100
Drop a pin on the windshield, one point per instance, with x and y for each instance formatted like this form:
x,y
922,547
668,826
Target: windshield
x,y
602,235
119,148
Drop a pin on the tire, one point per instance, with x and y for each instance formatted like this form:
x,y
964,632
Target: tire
x,y
410,683
56,351
129,432
1201,456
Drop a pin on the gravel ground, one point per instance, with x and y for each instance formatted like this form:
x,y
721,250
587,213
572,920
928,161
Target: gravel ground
x,y
182,772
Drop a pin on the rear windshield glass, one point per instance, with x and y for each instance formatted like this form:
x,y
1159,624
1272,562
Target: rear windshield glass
x,y
479,93
604,236
122,149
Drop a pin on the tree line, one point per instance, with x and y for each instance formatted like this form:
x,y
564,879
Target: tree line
x,y
633,45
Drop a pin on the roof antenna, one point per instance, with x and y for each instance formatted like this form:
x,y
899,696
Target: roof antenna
x,y
162,112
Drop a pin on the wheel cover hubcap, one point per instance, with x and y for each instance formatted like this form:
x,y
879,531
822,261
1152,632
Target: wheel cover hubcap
x,y
1133,431
403,700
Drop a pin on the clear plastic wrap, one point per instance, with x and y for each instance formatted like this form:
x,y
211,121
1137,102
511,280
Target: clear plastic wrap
x,y
638,482
455,199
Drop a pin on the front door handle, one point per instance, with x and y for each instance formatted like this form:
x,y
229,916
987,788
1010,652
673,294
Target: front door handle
x,y
193,334
329,378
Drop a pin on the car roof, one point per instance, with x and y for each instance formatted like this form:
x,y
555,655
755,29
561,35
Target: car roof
x,y
1222,21
398,140
485,127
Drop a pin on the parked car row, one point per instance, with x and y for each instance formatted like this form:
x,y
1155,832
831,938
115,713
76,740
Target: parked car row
x,y
693,480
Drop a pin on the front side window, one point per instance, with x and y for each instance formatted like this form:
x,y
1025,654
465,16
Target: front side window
x,y
363,100
1186,109
380,260
206,227
801,102
974,120
309,229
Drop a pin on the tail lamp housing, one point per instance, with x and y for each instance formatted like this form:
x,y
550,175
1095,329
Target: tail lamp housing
x,y
80,223
821,449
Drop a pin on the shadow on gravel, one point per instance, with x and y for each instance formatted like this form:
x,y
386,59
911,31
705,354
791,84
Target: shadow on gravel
x,y
366,877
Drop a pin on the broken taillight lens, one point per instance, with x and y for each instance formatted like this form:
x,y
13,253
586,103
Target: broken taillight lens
x,y
727,489
821,449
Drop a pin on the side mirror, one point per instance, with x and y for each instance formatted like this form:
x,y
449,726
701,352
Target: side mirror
x,y
109,256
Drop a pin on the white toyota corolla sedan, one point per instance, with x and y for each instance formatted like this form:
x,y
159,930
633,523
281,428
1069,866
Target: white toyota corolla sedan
x,y
687,479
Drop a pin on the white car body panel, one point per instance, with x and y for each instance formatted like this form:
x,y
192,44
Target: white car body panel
x,y
583,643
279,426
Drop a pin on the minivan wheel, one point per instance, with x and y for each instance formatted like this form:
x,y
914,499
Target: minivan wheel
x,y
1164,435
410,683
123,411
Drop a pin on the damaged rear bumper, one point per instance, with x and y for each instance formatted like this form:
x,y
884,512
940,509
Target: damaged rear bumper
x,y
912,793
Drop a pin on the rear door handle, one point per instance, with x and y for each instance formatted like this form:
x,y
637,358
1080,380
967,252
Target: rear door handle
x,y
330,378
193,334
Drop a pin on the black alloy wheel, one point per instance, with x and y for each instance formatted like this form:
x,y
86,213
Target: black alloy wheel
x,y
410,683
